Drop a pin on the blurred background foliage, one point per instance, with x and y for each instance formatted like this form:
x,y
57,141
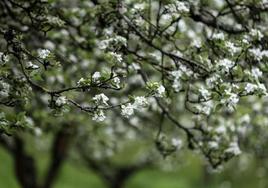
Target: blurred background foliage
x,y
242,172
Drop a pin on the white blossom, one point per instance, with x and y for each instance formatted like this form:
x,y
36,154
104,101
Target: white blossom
x,y
112,41
101,99
230,100
176,85
121,40
262,88
4,89
96,76
215,79
256,34
55,20
60,101
127,110
213,145
218,36
30,65
256,72
160,91
233,99
245,40
249,88
139,6
196,42
221,129
178,7
165,19
231,47
103,44
204,93
99,116
256,53
205,108
264,53
176,74
116,81
3,58
177,143
140,101
156,55
182,7
81,81
38,131
245,119
225,64
43,53
233,148
117,57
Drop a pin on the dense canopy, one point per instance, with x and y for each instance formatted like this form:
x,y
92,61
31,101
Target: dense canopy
x,y
133,81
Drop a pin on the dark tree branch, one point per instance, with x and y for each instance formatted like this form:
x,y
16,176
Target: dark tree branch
x,y
211,21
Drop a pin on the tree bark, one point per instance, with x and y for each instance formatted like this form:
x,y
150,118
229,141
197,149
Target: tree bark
x,y
25,168
59,153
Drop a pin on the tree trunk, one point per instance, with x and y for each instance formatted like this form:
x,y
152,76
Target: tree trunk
x,y
25,168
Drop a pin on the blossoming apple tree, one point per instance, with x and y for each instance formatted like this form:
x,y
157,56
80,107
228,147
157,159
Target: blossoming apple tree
x,y
114,75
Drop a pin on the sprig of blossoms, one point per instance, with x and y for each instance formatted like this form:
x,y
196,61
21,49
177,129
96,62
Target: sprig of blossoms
x,y
205,108
117,57
96,76
4,89
213,80
60,101
255,33
178,7
43,53
230,99
160,91
258,54
3,58
204,93
139,103
256,72
30,65
249,88
225,65
100,99
56,21
127,110
117,40
156,89
99,116
176,142
218,36
176,85
233,148
232,48
84,82
116,81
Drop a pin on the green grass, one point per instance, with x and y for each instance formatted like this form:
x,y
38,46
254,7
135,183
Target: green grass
x,y
7,176
189,175
71,177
